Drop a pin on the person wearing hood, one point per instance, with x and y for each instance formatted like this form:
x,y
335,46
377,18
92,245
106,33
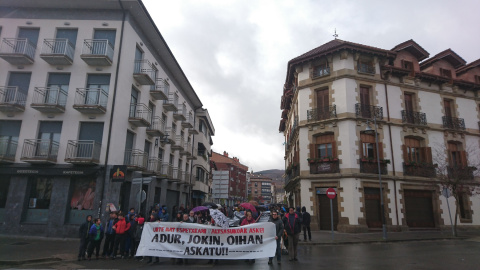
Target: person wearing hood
x,y
84,238
163,215
306,224
293,226
275,219
95,233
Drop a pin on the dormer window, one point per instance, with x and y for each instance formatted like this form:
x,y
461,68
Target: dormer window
x,y
366,66
446,73
477,79
408,65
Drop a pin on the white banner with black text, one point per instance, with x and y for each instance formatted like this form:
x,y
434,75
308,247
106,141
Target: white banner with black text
x,y
196,241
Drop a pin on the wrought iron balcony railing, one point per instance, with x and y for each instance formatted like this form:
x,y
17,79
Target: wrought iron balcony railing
x,y
154,165
8,149
167,170
371,166
461,173
91,97
157,127
40,150
322,113
97,52
83,151
136,159
320,72
49,96
140,115
419,169
366,68
10,96
17,50
368,111
453,123
59,51
321,167
144,72
416,118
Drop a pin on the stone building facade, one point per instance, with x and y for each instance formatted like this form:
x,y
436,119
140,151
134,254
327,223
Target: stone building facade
x,y
427,112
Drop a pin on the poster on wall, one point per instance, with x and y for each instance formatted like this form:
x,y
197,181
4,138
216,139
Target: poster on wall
x,y
83,194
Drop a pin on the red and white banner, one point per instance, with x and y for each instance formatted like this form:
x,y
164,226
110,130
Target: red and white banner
x,y
196,241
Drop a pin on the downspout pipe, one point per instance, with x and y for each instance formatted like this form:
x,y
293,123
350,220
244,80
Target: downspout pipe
x,y
107,172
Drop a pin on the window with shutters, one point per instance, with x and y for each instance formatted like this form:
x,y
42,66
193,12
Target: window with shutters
x,y
323,155
408,65
458,168
464,208
368,152
477,79
417,159
446,73
366,66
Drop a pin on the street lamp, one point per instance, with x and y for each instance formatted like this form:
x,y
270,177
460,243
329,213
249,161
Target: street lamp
x,y
382,207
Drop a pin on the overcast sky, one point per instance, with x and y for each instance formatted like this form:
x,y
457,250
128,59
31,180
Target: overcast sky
x,y
235,53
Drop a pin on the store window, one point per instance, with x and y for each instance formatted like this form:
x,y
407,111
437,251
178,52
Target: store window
x,y
39,193
81,200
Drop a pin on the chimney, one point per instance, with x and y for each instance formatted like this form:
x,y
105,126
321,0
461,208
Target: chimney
x,y
225,153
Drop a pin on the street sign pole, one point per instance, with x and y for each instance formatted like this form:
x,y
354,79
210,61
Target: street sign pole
x,y
446,194
331,194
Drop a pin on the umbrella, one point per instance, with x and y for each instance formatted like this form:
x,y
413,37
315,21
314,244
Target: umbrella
x,y
210,205
219,218
199,208
248,206
254,203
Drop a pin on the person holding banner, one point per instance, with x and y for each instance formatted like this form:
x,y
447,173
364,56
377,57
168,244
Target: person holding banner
x,y
275,219
293,226
248,220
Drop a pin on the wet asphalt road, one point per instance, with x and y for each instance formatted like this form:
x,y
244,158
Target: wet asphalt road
x,y
443,254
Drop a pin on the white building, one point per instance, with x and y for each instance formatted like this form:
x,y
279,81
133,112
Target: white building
x,y
427,113
87,87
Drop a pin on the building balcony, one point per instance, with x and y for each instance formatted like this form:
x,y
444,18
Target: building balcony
x,y
171,135
323,113
136,160
11,99
191,155
91,100
186,177
320,72
192,131
40,151
8,150
188,122
144,72
154,165
368,111
157,127
324,166
58,51
179,115
371,166
167,171
160,90
179,143
366,68
97,52
171,104
17,51
460,173
415,118
49,99
83,152
188,149
453,123
176,175
140,115
419,169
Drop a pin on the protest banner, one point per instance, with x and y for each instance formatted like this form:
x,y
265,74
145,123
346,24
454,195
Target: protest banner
x,y
196,241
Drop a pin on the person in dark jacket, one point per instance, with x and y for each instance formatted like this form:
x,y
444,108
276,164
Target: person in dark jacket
x,y
138,231
109,235
293,226
130,237
306,224
163,215
121,228
83,234
275,219
95,233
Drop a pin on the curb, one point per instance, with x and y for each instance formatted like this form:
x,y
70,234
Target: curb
x,y
20,262
379,241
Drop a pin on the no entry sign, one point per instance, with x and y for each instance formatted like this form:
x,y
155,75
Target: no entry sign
x,y
331,193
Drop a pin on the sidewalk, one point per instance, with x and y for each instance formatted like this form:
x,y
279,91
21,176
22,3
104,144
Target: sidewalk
x,y
16,250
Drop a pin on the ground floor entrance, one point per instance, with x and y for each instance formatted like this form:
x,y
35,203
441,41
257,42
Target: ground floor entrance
x,y
419,208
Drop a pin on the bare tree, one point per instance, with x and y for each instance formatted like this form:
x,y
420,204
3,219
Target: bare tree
x,y
457,171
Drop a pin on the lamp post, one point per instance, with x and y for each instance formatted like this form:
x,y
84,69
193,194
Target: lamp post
x,y
382,206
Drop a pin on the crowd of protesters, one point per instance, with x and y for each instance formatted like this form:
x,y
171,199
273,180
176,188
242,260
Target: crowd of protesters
x,y
123,231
